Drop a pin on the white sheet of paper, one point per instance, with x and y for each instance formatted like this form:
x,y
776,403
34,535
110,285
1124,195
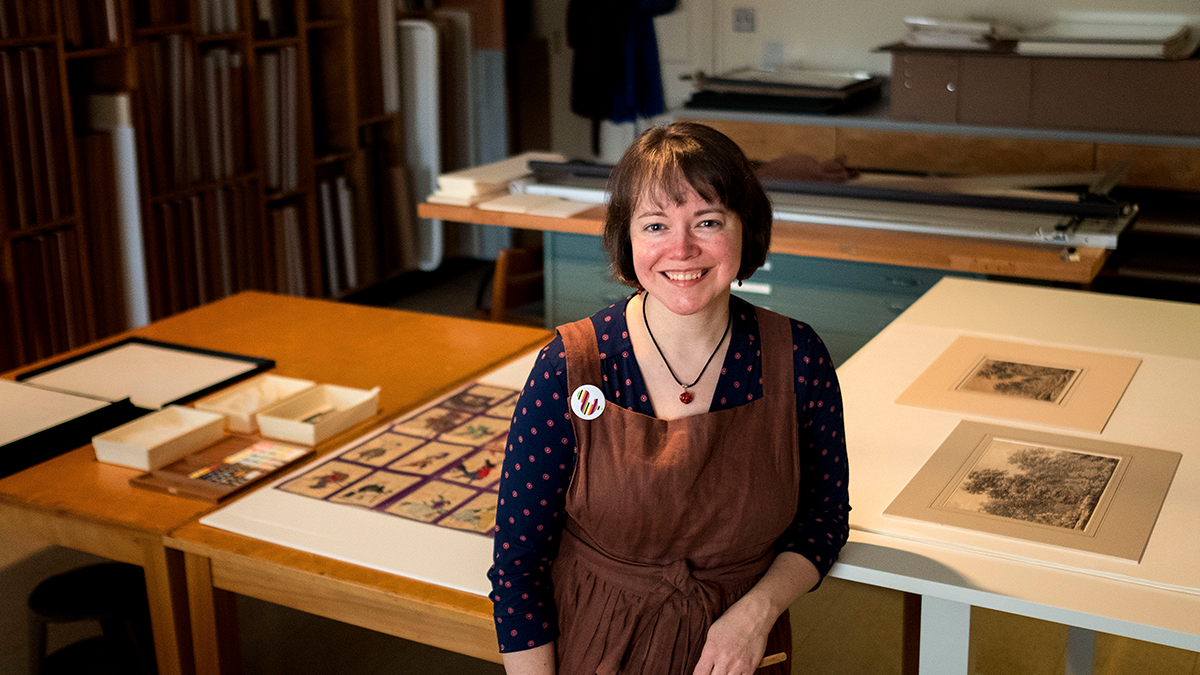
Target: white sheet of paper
x,y
150,376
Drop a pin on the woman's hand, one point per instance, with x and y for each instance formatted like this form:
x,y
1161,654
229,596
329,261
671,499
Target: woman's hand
x,y
736,642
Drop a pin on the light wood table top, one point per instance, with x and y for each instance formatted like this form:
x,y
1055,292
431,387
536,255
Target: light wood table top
x,y
72,500
957,254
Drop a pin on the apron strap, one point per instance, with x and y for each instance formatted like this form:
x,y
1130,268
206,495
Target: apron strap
x,y
776,333
583,354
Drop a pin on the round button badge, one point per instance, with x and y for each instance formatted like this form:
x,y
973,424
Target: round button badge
x,y
587,402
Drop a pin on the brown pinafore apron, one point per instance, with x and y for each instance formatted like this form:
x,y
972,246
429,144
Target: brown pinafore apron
x,y
669,522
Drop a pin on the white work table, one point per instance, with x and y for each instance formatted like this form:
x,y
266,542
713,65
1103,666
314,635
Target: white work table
x,y
953,569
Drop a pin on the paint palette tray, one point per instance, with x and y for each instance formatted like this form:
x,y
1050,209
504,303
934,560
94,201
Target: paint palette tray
x,y
231,464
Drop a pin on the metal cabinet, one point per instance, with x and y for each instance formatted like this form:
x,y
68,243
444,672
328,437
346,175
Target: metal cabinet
x,y
846,302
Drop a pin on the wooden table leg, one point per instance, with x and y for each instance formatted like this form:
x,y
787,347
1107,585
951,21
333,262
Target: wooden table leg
x,y
214,620
166,590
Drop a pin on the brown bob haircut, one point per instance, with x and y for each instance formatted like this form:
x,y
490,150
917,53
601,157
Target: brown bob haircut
x,y
667,160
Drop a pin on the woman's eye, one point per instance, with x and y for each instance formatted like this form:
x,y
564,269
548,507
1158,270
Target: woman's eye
x,y
654,227
710,223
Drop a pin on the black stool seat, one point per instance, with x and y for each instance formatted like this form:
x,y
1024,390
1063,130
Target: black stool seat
x,y
112,594
91,593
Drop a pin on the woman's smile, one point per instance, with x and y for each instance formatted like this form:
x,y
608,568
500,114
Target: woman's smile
x,y
686,254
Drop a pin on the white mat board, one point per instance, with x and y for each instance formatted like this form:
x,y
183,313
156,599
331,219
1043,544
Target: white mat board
x,y
388,543
28,410
148,375
889,443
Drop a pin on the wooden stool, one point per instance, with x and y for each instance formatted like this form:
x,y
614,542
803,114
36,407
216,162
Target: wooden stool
x,y
112,594
517,280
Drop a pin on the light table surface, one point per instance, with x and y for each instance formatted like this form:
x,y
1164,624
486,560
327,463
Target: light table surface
x,y
1156,600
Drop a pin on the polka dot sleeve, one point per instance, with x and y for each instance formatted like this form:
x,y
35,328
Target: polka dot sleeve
x,y
540,459
821,525
538,463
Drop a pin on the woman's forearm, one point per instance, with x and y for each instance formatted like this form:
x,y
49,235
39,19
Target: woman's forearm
x,y
737,639
790,576
536,661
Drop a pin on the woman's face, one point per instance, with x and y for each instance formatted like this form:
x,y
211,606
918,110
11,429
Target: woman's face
x,y
685,255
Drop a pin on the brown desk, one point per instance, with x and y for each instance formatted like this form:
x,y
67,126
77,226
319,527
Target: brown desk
x,y
76,502
955,254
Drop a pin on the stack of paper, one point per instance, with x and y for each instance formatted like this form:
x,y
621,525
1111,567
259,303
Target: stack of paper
x,y
1166,40
536,205
481,183
949,33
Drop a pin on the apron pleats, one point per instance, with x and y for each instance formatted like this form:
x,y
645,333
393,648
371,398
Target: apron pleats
x,y
669,522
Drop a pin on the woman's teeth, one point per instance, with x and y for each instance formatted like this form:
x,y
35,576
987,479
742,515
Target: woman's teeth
x,y
684,276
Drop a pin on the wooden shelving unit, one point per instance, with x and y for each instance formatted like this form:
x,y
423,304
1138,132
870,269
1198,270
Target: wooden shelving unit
x,y
242,128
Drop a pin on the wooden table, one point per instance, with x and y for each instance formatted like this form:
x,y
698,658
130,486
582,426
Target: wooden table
x,y
76,502
956,254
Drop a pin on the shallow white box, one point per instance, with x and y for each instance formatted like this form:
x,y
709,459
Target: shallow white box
x,y
317,413
240,403
155,440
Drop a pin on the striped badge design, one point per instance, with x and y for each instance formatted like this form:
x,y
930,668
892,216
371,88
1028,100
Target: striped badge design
x,y
587,402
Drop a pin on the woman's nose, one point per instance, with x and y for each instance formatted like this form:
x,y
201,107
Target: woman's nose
x,y
684,242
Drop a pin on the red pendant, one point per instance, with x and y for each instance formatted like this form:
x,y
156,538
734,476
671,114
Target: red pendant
x,y
686,397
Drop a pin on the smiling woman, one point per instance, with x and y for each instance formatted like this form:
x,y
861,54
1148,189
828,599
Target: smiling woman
x,y
660,536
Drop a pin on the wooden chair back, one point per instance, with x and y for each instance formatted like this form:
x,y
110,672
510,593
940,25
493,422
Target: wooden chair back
x,y
517,281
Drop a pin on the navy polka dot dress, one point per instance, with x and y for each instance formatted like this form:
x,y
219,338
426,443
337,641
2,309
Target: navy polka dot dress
x,y
540,458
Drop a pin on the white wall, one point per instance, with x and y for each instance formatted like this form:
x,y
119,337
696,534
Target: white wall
x,y
838,34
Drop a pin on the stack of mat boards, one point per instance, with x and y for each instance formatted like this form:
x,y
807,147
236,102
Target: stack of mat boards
x,y
793,90
1112,40
536,205
940,33
467,187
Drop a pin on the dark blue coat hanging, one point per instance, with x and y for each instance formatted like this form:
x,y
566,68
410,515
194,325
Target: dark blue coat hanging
x,y
615,73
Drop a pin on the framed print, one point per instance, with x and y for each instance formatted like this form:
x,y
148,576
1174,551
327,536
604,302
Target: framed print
x,y
1058,387
1077,493
152,374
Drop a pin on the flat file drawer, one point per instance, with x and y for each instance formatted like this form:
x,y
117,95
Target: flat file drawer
x,y
847,302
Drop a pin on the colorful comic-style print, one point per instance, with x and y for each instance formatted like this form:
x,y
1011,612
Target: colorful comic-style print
x,y
375,488
431,501
325,479
478,430
440,465
382,449
429,458
477,399
477,515
433,422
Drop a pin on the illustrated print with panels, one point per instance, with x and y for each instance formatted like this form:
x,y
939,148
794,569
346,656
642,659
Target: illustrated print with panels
x,y
438,465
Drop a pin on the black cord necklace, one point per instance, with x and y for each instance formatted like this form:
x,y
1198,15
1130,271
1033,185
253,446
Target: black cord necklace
x,y
686,397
